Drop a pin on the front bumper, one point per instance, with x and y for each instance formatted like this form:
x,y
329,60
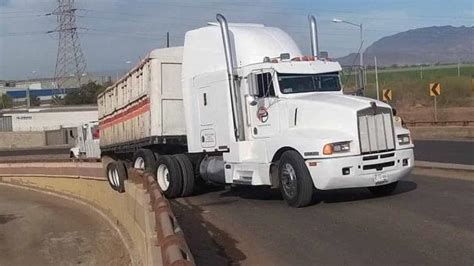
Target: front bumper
x,y
362,170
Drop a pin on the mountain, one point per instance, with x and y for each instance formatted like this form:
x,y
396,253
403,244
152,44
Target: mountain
x,y
431,45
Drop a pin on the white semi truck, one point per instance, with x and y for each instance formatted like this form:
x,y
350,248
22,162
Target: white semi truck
x,y
87,141
240,104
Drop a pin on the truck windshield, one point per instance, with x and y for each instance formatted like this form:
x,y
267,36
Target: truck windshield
x,y
299,83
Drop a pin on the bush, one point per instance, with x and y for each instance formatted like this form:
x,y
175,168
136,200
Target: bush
x,y
87,94
6,101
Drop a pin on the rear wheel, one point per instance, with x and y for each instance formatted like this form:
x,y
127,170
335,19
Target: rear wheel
x,y
116,175
296,185
383,190
187,172
168,176
110,173
144,160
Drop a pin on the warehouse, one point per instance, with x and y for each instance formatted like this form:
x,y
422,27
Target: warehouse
x,y
42,119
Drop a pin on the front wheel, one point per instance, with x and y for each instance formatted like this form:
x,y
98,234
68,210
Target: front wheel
x,y
383,190
296,185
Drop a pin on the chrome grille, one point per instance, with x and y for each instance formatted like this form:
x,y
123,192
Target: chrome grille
x,y
375,130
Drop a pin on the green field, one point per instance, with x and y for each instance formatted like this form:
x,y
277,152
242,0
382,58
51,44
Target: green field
x,y
410,85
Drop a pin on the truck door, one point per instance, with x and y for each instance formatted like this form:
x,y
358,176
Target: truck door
x,y
263,112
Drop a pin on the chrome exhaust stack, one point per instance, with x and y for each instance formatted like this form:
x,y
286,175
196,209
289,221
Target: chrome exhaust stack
x,y
231,72
227,46
314,35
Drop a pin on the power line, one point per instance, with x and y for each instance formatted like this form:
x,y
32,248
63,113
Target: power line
x,y
302,11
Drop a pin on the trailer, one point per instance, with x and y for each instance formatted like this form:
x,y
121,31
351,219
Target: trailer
x,y
240,104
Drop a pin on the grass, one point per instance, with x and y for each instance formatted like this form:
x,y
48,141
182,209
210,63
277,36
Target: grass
x,y
410,86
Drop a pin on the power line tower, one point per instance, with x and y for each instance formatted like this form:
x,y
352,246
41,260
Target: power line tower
x,y
70,63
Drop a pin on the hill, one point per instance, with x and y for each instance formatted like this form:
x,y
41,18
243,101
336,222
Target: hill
x,y
431,45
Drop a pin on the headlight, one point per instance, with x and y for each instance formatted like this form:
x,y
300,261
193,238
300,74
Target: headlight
x,y
336,147
403,139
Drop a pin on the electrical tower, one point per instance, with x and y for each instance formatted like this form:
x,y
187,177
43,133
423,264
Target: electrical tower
x,y
70,63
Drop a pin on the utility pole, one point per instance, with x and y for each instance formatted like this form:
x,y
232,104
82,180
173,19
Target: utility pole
x,y
167,39
421,71
70,62
459,70
28,88
376,78
362,73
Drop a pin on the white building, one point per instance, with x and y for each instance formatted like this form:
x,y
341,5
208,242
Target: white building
x,y
41,119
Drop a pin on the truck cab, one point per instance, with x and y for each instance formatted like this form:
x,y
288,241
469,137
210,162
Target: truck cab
x,y
269,115
87,141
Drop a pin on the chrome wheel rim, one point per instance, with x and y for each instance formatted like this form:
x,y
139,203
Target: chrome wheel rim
x,y
116,178
139,163
109,177
163,177
288,180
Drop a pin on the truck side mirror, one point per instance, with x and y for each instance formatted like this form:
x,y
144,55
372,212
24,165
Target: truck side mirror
x,y
253,86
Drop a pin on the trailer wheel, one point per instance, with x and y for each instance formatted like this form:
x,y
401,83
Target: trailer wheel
x,y
187,172
116,175
145,160
111,175
168,176
296,185
383,190
122,175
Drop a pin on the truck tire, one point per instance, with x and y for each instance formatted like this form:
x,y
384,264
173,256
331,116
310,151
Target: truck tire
x,y
296,185
187,172
111,175
383,190
116,175
168,176
145,160
122,175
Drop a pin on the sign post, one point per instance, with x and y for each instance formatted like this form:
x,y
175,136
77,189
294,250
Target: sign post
x,y
472,83
435,90
376,79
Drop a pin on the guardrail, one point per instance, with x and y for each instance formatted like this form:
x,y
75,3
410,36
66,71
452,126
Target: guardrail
x,y
170,238
440,123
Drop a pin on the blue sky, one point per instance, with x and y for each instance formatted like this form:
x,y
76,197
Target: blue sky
x,y
113,32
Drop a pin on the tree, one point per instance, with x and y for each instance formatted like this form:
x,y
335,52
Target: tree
x,y
87,94
6,101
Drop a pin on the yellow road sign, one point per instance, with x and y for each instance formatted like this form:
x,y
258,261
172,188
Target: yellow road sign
x,y
435,89
387,95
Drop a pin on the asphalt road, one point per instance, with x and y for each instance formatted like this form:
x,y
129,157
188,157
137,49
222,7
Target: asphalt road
x,y
37,229
445,151
428,221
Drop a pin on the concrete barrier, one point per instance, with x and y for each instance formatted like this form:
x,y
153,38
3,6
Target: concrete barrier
x,y
442,132
131,213
22,139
